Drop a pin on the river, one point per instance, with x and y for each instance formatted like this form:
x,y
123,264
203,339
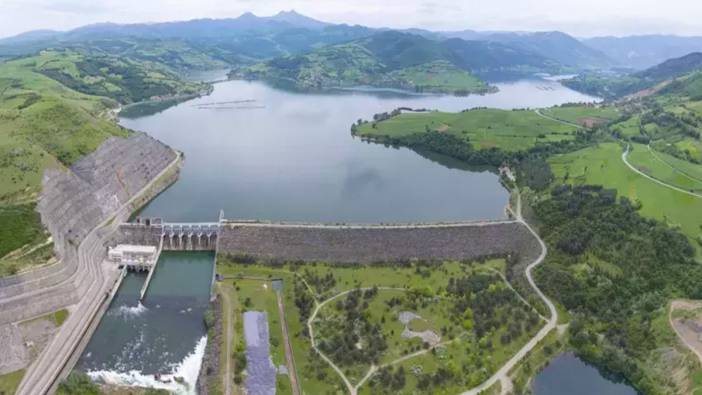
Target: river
x,y
259,152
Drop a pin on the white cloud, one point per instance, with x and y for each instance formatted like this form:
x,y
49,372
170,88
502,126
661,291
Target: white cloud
x,y
580,17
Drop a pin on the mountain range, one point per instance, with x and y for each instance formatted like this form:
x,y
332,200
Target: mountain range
x,y
250,39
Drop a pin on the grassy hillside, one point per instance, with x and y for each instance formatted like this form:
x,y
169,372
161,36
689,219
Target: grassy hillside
x,y
653,78
398,60
584,115
111,76
482,128
602,165
42,124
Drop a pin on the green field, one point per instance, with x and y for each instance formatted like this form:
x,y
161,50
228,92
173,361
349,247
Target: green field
x,y
483,128
580,114
629,128
438,76
602,165
473,342
667,168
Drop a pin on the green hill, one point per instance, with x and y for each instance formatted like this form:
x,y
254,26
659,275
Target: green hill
x,y
397,60
116,77
654,78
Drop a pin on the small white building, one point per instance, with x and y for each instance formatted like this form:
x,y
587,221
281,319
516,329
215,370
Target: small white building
x,y
139,257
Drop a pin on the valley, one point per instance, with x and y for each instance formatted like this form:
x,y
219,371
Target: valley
x,y
393,211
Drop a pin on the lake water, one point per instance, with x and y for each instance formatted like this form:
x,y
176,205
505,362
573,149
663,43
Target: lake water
x,y
278,155
567,374
258,152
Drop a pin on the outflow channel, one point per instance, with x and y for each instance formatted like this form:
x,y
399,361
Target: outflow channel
x,y
160,341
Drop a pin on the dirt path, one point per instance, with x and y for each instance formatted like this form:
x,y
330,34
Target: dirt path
x,y
683,304
353,389
625,154
227,305
289,358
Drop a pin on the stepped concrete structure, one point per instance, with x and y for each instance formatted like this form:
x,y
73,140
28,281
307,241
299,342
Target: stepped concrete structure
x,y
82,207
349,244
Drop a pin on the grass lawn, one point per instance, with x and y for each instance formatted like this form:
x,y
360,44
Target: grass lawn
x,y
10,381
578,114
602,165
417,283
314,376
484,128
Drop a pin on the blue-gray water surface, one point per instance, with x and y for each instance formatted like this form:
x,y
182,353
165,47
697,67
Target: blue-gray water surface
x,y
163,335
568,374
262,153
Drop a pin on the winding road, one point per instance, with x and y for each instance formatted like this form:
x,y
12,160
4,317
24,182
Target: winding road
x,y
625,155
502,375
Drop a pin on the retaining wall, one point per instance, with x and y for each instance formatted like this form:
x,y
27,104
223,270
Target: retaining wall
x,y
74,202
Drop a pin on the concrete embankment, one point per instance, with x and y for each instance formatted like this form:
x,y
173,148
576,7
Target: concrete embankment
x,y
82,207
99,186
368,244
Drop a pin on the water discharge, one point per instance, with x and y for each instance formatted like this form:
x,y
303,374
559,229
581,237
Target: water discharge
x,y
164,336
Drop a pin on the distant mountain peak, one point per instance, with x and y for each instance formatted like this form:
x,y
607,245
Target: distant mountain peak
x,y
296,19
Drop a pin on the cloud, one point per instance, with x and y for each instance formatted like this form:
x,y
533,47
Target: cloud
x,y
579,17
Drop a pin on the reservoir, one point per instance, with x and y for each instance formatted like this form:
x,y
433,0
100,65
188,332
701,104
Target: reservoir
x,y
568,374
262,153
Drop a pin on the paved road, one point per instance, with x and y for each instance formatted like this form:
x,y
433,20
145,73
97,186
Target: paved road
x,y
367,226
625,155
43,372
502,374
229,324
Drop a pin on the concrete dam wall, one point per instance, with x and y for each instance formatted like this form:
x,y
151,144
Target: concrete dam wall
x,y
358,244
99,186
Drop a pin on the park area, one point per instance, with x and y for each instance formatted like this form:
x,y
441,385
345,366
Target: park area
x,y
406,327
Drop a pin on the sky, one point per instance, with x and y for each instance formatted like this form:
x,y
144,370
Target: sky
x,y
582,18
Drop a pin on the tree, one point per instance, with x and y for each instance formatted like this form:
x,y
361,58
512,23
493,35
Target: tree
x,y
78,383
